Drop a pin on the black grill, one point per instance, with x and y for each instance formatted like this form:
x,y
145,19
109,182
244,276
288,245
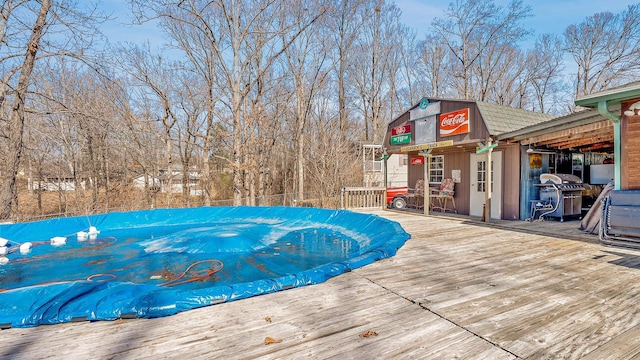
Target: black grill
x,y
563,192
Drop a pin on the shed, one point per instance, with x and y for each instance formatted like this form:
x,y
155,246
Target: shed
x,y
453,130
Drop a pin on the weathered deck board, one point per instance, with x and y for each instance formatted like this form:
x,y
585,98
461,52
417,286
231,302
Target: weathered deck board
x,y
457,289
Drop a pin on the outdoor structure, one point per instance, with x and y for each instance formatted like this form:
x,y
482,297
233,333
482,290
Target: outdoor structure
x,y
456,139
626,129
579,144
374,171
619,222
371,165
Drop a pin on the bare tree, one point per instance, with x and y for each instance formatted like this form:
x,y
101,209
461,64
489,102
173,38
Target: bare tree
x,y
500,76
156,83
9,191
401,65
345,23
19,59
374,62
197,38
544,67
137,138
193,109
305,62
433,59
230,30
406,87
605,48
332,162
475,29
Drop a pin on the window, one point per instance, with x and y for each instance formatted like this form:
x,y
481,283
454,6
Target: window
x,y
436,173
372,155
481,177
404,160
577,165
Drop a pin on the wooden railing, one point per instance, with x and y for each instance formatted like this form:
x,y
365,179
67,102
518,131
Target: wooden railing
x,y
362,197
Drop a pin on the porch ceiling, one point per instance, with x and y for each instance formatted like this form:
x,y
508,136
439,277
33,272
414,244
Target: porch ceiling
x,y
582,131
597,136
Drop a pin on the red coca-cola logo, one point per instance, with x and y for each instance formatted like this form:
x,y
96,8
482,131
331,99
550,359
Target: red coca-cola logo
x,y
454,123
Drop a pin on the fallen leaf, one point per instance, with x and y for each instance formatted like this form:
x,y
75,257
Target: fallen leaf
x,y
268,340
369,334
267,319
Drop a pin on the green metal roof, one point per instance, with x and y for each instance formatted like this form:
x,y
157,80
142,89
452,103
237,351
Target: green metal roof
x,y
501,119
611,96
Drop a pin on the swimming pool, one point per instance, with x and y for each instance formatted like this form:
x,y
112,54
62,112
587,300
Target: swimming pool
x,y
159,262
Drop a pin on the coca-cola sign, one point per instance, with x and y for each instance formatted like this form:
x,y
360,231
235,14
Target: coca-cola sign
x,y
455,122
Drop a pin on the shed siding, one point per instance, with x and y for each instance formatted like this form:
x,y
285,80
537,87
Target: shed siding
x,y
510,181
452,161
459,161
478,129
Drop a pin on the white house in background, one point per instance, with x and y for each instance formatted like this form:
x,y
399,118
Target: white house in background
x,y
397,170
397,167
161,181
53,184
139,181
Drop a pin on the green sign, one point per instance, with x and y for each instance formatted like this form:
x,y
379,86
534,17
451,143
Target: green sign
x,y
401,139
486,148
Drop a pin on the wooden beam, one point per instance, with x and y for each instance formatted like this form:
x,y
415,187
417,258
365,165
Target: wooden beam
x,y
582,139
599,127
578,143
599,146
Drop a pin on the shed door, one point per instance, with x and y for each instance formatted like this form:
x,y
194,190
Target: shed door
x,y
478,184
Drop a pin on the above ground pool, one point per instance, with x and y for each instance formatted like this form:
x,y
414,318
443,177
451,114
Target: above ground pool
x,y
159,262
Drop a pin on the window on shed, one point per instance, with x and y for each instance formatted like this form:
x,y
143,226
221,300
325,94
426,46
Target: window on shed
x,y
436,171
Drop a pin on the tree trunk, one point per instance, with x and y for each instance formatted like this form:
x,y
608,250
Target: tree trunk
x,y
9,191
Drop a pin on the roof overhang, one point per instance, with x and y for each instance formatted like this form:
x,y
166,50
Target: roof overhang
x,y
602,101
582,131
611,97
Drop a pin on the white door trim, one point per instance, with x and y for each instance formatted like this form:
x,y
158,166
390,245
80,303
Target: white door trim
x,y
477,198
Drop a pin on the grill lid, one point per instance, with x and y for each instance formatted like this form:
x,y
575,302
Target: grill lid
x,y
560,179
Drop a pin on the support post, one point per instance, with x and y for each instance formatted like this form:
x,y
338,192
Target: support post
x,y
603,109
385,157
427,170
488,180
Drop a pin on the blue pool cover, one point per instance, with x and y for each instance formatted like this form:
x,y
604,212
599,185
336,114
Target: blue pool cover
x,y
159,262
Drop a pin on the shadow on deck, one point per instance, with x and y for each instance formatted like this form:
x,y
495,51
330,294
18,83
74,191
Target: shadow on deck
x,y
567,229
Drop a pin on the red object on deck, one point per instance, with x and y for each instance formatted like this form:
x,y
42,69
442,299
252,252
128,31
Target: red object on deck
x,y
393,191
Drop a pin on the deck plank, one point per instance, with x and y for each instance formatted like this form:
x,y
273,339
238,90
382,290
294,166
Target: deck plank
x,y
457,289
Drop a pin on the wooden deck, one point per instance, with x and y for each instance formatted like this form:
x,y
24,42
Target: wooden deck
x,y
457,290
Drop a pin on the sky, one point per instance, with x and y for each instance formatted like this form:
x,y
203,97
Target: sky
x,y
549,16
